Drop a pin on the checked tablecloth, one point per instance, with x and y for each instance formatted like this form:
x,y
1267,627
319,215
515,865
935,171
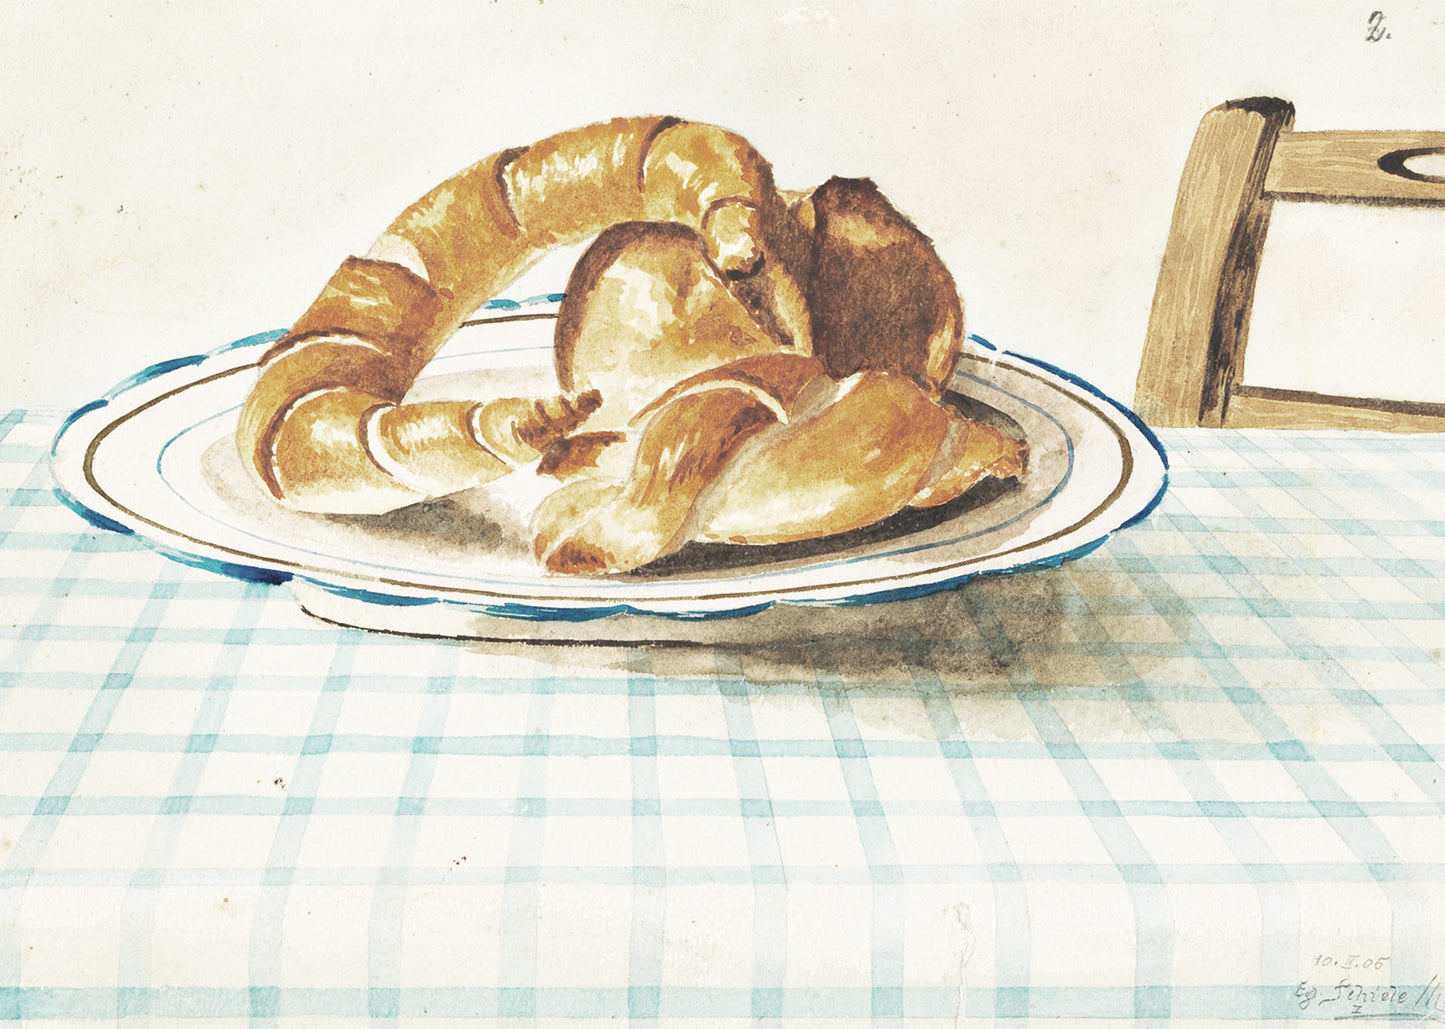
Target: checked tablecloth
x,y
1193,777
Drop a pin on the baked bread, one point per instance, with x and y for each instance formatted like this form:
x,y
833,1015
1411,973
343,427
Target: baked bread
x,y
734,363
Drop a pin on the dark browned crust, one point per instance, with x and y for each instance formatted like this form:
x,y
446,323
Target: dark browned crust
x,y
543,430
877,289
575,454
499,177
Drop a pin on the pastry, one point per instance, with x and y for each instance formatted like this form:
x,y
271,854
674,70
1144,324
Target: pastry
x,y
734,363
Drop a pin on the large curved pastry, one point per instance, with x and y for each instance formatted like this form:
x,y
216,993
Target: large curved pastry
x,y
733,363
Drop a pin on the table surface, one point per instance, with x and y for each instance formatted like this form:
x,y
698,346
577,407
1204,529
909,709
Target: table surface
x,y
1193,776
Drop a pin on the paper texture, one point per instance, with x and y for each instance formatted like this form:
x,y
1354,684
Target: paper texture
x,y
177,177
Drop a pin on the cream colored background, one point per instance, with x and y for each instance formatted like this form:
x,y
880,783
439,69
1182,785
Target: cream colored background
x,y
175,176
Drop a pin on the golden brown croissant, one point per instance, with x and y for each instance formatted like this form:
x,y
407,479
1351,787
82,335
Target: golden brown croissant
x,y
750,367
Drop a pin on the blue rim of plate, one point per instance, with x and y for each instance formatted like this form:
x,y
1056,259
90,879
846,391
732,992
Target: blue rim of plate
x,y
539,610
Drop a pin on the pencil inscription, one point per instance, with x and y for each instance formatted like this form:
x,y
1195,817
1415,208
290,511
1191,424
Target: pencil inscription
x,y
1349,961
1346,999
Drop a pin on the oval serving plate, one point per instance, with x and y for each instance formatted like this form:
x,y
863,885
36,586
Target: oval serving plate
x,y
155,457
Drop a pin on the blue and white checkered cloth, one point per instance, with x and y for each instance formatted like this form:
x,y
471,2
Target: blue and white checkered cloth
x,y
1195,776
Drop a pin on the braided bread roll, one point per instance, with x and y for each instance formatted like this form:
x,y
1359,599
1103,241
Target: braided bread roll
x,y
770,450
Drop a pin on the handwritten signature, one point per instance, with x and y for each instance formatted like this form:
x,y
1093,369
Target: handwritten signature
x,y
1374,1000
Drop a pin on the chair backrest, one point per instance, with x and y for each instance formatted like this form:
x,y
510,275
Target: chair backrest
x,y
1244,158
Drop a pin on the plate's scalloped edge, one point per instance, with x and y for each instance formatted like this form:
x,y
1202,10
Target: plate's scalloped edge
x,y
91,515
1123,409
147,374
547,613
544,613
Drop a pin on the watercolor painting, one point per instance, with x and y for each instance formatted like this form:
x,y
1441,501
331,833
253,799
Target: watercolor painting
x,y
756,397
794,538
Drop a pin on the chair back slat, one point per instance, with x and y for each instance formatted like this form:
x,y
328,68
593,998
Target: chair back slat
x,y
1355,166
1264,407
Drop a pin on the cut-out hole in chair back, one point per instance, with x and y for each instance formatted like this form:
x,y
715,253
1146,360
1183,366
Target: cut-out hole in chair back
x,y
1422,165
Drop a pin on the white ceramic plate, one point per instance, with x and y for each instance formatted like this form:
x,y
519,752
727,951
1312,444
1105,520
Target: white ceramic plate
x,y
155,457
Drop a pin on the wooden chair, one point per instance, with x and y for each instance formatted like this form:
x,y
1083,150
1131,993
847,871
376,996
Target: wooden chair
x,y
1243,159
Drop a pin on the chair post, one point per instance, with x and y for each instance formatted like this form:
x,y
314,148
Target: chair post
x,y
1200,316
